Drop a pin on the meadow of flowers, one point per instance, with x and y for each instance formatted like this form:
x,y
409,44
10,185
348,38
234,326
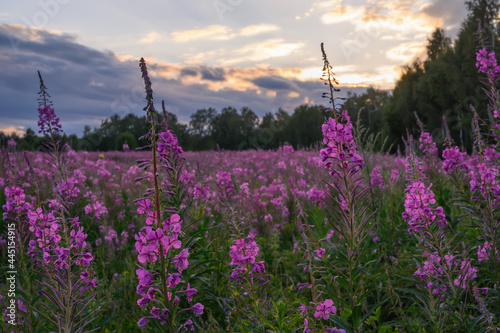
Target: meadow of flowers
x,y
338,240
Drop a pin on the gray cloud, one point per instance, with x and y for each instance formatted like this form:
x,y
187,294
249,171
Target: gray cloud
x,y
451,11
213,74
273,83
188,72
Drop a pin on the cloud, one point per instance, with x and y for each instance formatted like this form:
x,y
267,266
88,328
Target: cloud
x,y
449,11
96,84
266,49
188,72
342,14
258,29
273,83
316,72
221,32
407,52
212,32
319,5
151,37
18,130
213,74
401,20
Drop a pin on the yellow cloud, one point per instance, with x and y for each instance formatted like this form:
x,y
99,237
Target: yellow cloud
x,y
384,78
124,57
257,29
321,5
221,32
342,14
202,57
212,32
377,16
19,130
407,52
241,78
151,37
266,49
312,73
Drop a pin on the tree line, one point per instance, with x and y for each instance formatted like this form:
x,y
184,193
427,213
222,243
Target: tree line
x,y
208,129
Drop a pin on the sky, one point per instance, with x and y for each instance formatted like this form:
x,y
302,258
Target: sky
x,y
202,53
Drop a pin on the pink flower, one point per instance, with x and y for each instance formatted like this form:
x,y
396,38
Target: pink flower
x,y
341,147
324,309
48,121
143,322
418,212
173,280
144,277
190,292
21,306
197,308
181,261
320,252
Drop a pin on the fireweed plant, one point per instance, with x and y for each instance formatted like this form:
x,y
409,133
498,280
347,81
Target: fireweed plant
x,y
447,274
162,258
248,281
484,183
60,258
59,244
348,202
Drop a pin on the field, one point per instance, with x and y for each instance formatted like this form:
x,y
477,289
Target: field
x,y
341,239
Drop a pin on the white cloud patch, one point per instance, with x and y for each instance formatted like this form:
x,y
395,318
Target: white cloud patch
x,y
407,52
212,32
258,29
151,37
259,51
221,32
96,84
342,14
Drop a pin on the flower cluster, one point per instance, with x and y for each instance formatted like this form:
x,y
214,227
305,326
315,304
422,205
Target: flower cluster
x,y
97,209
341,147
15,202
453,158
167,144
48,122
485,180
12,144
427,146
322,310
243,253
68,189
486,62
148,241
418,212
287,149
225,184
376,179
202,192
484,252
467,273
47,230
